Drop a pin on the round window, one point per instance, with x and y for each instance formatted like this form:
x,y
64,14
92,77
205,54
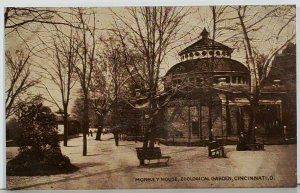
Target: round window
x,y
204,53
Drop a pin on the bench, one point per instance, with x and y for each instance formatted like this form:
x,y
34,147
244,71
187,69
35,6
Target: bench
x,y
153,153
256,146
215,150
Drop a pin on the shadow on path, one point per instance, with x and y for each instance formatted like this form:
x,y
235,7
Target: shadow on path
x,y
127,144
124,169
94,154
185,150
88,164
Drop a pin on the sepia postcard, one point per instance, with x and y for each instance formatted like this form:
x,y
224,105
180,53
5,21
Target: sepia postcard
x,y
150,97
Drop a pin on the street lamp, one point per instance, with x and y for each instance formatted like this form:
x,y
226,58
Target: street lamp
x,y
284,132
255,128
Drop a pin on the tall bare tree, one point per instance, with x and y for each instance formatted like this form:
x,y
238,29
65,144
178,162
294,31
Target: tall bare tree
x,y
100,97
61,50
27,18
287,13
110,80
19,21
151,32
18,80
85,45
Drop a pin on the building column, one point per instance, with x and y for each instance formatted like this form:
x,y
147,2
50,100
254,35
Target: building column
x,y
280,119
223,120
223,128
189,124
200,120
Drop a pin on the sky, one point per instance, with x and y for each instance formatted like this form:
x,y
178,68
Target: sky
x,y
193,24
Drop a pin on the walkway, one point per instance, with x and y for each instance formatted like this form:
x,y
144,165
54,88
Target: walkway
x,y
108,166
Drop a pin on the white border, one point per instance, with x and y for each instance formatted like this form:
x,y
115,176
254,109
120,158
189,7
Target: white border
x,y
110,3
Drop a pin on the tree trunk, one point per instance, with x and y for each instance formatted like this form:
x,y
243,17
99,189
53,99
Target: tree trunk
x,y
238,120
146,137
116,136
85,125
251,126
228,119
66,128
251,134
100,128
99,132
254,78
210,137
152,138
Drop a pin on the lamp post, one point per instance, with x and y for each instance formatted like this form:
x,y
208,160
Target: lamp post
x,y
284,132
255,128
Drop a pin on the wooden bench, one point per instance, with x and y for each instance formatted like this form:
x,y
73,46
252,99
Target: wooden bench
x,y
151,154
256,146
215,150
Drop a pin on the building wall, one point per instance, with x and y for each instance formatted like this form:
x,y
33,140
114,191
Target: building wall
x,y
186,122
192,126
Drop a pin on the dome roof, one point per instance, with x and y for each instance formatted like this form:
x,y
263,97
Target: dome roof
x,y
206,64
205,44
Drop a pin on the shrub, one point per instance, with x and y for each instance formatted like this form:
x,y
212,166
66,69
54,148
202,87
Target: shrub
x,y
39,150
37,125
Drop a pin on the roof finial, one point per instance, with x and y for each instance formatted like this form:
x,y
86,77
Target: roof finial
x,y
204,33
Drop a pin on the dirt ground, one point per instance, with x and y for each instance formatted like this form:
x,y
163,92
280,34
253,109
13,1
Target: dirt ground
x,y
109,167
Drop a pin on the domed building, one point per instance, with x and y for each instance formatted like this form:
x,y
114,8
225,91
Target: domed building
x,y
207,59
211,91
